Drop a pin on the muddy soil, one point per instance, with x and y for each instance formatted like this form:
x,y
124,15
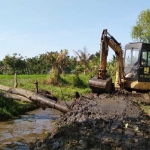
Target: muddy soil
x,y
100,122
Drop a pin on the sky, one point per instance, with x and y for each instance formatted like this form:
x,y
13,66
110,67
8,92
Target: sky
x,y
33,27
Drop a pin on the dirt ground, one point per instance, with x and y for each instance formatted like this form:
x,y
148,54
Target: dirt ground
x,y
100,122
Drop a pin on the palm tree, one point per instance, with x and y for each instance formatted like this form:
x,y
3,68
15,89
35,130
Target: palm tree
x,y
95,62
63,60
83,58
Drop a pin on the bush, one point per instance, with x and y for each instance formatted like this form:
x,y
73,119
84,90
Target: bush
x,y
54,77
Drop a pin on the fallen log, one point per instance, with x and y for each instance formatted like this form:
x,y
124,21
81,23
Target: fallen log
x,y
37,98
15,96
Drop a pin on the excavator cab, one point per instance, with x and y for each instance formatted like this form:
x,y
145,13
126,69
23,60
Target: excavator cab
x,y
137,66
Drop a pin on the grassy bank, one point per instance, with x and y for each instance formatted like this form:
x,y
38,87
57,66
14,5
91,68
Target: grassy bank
x,y
10,108
65,90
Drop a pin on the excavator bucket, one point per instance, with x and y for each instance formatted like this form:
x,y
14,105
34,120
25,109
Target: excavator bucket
x,y
100,85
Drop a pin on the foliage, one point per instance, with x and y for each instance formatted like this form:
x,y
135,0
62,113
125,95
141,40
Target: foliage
x,y
51,59
41,64
63,60
54,77
78,69
59,61
83,57
10,108
48,61
78,82
141,31
13,63
36,65
94,62
111,68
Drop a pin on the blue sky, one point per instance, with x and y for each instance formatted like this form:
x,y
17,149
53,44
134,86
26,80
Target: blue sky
x,y
33,27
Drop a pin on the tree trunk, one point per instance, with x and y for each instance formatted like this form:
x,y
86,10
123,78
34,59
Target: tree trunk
x,y
15,96
37,98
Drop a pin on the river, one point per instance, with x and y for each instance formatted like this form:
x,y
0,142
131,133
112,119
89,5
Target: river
x,y
33,125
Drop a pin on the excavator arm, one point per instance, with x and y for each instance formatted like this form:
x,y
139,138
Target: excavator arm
x,y
108,40
102,80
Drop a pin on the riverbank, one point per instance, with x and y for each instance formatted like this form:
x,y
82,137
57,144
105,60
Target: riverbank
x,y
100,122
10,108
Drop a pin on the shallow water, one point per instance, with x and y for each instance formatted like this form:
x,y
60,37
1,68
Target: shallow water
x,y
34,125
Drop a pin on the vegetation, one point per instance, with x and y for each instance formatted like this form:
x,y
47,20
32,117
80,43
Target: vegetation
x,y
112,68
64,90
83,58
55,72
10,108
50,68
141,31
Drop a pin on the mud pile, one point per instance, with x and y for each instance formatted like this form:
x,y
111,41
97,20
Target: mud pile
x,y
100,122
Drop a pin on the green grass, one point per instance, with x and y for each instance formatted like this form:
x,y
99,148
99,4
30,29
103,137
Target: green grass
x,y
68,84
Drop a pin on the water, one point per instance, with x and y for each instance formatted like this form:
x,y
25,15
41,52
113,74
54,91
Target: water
x,y
34,125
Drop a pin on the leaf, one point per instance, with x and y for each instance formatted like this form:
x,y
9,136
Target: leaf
x,y
126,125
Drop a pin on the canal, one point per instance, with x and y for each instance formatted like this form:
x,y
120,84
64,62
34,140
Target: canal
x,y
34,125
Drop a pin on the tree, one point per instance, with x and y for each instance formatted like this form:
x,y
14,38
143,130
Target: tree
x,y
33,65
14,63
95,62
53,58
63,60
141,31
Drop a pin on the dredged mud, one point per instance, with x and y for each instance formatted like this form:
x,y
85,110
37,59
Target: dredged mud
x,y
100,122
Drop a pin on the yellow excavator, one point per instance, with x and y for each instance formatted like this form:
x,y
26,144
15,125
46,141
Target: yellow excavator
x,y
133,68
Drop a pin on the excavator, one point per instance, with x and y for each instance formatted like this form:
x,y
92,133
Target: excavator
x,y
132,70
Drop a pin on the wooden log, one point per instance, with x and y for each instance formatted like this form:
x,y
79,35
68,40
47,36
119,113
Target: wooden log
x,y
37,98
15,96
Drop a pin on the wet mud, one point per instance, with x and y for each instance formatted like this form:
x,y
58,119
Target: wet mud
x,y
100,122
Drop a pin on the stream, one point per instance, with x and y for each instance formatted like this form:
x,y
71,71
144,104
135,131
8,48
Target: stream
x,y
33,125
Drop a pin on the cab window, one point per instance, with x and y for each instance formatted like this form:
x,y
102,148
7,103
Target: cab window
x,y
131,57
145,58
148,58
